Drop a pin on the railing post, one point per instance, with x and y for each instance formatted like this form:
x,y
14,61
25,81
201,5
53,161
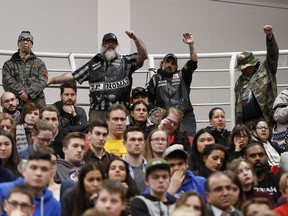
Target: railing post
x,y
72,62
232,85
151,65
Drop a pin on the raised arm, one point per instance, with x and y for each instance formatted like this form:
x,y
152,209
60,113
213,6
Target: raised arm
x,y
272,50
66,77
188,39
141,49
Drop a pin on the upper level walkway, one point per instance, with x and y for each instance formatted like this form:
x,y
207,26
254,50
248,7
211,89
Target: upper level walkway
x,y
212,85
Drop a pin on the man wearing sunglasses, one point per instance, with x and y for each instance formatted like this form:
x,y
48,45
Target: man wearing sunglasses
x,y
25,74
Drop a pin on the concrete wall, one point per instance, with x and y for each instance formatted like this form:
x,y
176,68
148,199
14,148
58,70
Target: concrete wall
x,y
78,26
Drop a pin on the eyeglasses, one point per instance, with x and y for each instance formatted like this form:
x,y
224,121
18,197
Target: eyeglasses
x,y
23,39
173,122
262,127
23,206
9,100
110,42
159,139
44,140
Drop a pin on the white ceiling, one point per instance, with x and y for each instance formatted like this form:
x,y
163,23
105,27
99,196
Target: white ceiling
x,y
282,4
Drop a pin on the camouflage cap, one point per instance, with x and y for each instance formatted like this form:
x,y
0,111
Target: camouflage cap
x,y
246,59
156,163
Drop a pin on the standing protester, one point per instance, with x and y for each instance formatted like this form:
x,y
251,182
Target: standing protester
x,y
25,74
109,75
171,87
256,88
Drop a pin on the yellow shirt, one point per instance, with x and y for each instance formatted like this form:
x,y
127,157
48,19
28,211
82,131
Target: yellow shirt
x,y
115,146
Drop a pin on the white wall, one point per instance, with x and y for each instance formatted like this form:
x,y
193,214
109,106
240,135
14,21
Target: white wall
x,y
78,26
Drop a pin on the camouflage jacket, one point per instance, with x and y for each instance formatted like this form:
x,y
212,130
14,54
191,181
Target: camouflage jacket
x,y
263,85
30,75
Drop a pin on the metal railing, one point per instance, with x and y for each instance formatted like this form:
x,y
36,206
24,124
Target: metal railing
x,y
72,58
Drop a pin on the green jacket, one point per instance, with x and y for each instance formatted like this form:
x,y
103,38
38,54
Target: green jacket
x,y
263,85
30,75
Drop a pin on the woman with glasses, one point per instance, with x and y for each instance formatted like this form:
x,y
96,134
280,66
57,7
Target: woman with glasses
x,y
156,144
261,133
240,137
29,115
139,117
172,125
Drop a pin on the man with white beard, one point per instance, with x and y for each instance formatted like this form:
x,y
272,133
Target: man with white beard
x,y
109,75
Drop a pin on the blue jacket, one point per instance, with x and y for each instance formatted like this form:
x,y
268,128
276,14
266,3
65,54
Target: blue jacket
x,y
192,182
24,153
45,205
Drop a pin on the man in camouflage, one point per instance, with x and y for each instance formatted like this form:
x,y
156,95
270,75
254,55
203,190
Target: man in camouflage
x,y
256,88
24,74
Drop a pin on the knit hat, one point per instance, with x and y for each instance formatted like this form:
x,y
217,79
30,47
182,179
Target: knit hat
x,y
25,35
156,163
246,59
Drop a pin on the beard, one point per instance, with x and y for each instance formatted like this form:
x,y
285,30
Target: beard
x,y
260,168
10,112
110,54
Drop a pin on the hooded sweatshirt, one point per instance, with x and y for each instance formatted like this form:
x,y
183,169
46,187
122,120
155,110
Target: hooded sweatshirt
x,y
66,170
45,204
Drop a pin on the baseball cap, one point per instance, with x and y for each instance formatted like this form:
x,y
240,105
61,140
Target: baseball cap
x,y
25,35
109,36
170,55
246,59
156,163
175,148
139,91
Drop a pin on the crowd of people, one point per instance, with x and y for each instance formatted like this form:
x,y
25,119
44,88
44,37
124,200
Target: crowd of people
x,y
139,151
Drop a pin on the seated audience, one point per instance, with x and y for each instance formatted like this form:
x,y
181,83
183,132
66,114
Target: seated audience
x,y
244,170
111,198
192,200
79,198
156,144
213,158
280,116
256,205
37,172
218,195
42,135
282,210
20,201
7,124
261,133
172,124
9,103
202,138
217,121
155,203
29,115
267,181
72,117
8,152
139,117
73,148
240,137
96,153
237,194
